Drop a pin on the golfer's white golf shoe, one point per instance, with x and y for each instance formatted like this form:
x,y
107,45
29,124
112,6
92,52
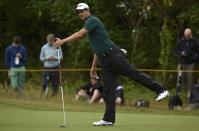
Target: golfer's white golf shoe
x,y
102,123
163,95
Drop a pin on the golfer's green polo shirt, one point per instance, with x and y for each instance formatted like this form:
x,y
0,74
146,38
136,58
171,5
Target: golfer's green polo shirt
x,y
97,35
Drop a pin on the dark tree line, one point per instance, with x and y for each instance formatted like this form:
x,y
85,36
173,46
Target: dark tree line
x,y
148,29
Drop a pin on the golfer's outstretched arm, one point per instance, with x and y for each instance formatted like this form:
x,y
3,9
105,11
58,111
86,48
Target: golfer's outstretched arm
x,y
76,36
93,71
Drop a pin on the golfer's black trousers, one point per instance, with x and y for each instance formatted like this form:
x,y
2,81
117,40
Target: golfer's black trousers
x,y
114,63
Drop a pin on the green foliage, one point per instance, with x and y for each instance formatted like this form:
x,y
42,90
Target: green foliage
x,y
80,54
166,41
168,3
148,29
191,18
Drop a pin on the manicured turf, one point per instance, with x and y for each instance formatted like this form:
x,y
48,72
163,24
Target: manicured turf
x,y
13,118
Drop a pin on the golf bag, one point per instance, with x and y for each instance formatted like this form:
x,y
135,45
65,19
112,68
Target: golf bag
x,y
180,79
175,101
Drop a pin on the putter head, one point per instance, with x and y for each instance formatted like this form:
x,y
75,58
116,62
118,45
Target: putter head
x,y
63,125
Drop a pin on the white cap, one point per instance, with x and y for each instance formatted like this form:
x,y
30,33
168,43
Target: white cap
x,y
82,6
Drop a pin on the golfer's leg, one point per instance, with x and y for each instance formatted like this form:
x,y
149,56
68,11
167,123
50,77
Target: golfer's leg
x,y
110,83
139,77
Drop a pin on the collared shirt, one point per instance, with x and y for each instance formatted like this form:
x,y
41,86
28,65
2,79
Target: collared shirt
x,y
10,56
48,51
97,34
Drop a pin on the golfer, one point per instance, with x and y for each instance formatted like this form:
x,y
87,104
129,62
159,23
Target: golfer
x,y
112,60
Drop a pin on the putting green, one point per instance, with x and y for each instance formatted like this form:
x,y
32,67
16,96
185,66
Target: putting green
x,y
14,118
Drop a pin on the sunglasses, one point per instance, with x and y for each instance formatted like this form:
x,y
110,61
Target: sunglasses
x,y
79,11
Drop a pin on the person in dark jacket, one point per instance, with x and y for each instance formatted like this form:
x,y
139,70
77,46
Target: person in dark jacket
x,y
187,50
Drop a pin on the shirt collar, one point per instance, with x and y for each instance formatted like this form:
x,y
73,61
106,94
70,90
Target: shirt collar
x,y
15,45
87,18
50,45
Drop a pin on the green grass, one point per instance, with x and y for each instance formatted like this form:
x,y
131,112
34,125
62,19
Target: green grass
x,y
14,118
30,112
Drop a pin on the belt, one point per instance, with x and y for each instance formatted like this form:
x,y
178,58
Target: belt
x,y
106,53
55,67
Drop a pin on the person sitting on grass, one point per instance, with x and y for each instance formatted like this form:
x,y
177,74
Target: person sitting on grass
x,y
91,91
119,96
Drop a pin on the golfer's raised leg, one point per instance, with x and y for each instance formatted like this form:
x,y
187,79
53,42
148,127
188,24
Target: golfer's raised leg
x,y
122,66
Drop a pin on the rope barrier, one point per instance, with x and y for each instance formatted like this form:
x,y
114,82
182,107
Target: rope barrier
x,y
88,69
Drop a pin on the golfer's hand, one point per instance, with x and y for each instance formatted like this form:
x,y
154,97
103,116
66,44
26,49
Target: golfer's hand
x,y
93,72
58,42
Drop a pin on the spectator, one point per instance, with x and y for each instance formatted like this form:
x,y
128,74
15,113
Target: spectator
x,y
49,57
187,50
92,91
119,97
15,60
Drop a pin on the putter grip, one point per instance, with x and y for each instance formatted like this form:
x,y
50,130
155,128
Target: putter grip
x,y
58,54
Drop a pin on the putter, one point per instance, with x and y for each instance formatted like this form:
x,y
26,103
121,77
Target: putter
x,y
62,92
